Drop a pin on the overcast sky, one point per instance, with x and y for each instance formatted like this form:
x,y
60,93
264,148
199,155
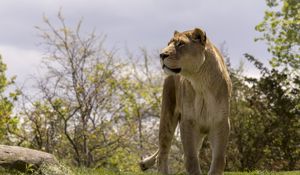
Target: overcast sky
x,y
130,23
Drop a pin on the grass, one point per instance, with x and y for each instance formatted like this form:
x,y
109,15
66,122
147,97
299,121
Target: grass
x,y
264,173
84,171
105,172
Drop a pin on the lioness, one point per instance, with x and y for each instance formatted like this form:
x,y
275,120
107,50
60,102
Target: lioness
x,y
196,95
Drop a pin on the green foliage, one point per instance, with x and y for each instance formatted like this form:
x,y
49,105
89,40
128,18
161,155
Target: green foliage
x,y
265,121
140,98
278,105
265,111
75,114
280,29
43,169
92,110
7,122
124,161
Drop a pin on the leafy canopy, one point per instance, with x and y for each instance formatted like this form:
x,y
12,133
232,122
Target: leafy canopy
x,y
280,29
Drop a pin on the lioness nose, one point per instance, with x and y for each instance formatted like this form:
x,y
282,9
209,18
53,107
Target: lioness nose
x,y
163,55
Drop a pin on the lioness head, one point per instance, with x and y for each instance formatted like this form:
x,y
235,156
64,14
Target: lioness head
x,y
184,53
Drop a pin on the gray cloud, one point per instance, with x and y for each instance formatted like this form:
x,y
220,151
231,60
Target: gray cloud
x,y
138,23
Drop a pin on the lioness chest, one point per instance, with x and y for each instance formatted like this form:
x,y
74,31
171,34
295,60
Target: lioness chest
x,y
197,105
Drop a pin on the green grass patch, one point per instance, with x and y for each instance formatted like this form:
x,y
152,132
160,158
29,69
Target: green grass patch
x,y
264,173
107,172
86,171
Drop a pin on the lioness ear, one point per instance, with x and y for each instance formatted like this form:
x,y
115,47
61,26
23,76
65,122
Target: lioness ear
x,y
175,32
199,36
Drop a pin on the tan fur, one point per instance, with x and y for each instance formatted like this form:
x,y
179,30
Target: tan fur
x,y
195,95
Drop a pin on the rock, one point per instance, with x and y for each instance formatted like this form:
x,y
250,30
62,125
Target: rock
x,y
19,158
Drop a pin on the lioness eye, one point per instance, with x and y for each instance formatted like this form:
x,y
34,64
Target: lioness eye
x,y
179,44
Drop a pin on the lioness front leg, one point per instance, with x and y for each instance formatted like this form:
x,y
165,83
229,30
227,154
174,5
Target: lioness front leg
x,y
218,138
190,138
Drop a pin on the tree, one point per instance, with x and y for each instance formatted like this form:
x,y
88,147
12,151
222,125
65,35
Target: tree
x,y
280,87
276,102
140,95
8,123
280,29
77,112
265,116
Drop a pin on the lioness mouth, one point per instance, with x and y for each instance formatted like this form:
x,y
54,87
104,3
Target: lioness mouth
x,y
176,70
